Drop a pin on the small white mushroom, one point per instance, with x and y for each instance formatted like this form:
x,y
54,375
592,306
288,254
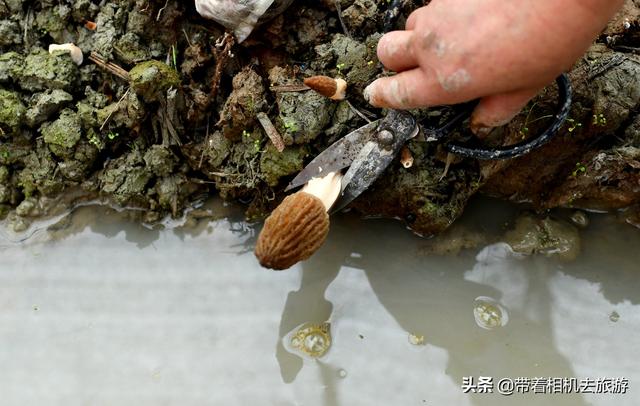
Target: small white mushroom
x,y
72,49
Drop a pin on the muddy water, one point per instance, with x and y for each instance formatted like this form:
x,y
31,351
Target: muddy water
x,y
103,311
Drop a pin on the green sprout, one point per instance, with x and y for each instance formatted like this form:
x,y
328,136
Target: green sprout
x,y
112,135
599,120
257,142
580,169
340,66
290,125
573,125
95,141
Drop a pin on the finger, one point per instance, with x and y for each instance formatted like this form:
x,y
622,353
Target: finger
x,y
412,19
395,51
415,88
496,110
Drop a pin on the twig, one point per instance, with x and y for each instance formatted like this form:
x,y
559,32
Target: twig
x,y
289,88
271,131
106,120
109,66
161,10
222,53
339,10
358,112
207,142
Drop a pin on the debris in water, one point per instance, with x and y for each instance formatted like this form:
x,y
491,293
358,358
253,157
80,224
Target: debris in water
x,y
614,316
310,340
416,339
489,313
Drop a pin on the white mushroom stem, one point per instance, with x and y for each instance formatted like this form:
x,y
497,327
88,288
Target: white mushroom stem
x,y
327,188
341,90
72,49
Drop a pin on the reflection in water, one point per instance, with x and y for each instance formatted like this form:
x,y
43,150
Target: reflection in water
x,y
112,312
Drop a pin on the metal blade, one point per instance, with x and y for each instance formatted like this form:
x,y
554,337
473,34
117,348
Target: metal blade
x,y
375,157
336,157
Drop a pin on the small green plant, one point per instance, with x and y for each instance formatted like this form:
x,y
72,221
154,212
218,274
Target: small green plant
x,y
599,120
257,142
573,125
291,126
95,140
340,66
579,169
174,52
112,135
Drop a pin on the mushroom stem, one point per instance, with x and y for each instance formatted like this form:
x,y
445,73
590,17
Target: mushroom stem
x,y
327,188
406,157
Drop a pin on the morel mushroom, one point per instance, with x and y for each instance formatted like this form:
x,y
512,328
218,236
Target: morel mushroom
x,y
299,225
335,89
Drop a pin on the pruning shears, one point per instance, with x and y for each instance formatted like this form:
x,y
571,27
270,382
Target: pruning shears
x,y
369,150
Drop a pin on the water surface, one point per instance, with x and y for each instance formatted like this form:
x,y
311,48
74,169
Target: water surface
x,y
104,311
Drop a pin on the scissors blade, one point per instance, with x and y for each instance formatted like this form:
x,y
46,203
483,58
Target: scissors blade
x,y
336,157
374,158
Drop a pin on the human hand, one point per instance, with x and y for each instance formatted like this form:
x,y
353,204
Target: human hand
x,y
503,52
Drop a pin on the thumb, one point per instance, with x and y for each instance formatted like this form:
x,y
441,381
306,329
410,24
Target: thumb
x,y
499,109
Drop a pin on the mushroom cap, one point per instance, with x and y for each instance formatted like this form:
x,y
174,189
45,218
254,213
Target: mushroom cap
x,y
293,232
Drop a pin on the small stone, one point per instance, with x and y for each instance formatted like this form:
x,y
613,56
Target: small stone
x,y
614,316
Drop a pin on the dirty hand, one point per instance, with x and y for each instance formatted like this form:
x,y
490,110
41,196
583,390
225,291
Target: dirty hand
x,y
502,51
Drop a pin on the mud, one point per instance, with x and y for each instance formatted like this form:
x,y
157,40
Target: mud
x,y
163,111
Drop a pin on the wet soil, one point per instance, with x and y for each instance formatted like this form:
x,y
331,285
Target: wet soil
x,y
163,111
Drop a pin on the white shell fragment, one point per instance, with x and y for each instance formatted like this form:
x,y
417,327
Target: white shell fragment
x,y
72,49
240,16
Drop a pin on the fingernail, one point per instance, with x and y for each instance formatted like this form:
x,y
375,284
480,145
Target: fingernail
x,y
367,92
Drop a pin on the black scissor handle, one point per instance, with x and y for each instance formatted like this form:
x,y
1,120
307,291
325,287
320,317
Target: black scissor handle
x,y
524,147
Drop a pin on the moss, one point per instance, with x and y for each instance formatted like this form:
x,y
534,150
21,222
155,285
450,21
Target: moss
x,y
53,21
9,33
130,49
151,79
43,71
126,113
160,160
126,178
37,176
11,110
63,134
242,105
275,165
44,105
11,64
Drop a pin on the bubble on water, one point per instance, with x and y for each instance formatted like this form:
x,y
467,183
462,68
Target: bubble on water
x,y
342,373
614,316
309,340
489,313
416,339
